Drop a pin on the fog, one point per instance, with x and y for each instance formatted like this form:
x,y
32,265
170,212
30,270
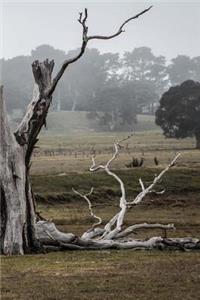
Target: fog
x,y
169,28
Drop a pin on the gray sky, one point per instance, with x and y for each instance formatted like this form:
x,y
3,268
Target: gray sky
x,y
169,28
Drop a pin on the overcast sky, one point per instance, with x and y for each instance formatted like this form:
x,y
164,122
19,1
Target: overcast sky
x,y
169,28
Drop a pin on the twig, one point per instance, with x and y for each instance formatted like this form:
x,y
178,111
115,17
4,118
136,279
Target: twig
x,y
85,196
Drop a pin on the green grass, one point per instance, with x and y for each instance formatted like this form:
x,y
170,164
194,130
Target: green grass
x,y
77,121
176,181
183,211
102,275
112,274
71,153
97,275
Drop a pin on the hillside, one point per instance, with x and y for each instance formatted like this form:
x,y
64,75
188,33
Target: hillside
x,y
67,121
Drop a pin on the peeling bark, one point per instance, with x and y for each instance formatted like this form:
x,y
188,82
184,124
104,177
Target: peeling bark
x,y
12,175
16,149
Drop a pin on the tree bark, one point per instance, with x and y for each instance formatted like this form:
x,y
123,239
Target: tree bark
x,y
57,241
17,200
13,198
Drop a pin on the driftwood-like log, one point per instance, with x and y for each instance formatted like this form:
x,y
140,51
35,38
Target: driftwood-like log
x,y
50,236
113,234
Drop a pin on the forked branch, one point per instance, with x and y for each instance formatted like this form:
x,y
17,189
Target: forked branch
x,y
119,218
113,235
150,188
115,225
85,196
28,130
85,39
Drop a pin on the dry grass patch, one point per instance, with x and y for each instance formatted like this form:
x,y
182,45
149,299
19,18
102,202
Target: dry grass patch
x,y
102,275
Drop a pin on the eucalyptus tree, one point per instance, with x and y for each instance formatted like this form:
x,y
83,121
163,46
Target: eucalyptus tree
x,y
183,68
98,68
114,109
179,111
143,66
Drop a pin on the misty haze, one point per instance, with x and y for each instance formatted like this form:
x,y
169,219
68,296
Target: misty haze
x,y
100,150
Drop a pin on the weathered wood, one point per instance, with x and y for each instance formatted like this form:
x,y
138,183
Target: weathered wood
x,y
17,207
12,181
35,117
114,227
18,234
21,231
50,236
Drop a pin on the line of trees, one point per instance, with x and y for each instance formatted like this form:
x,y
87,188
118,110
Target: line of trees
x,y
140,77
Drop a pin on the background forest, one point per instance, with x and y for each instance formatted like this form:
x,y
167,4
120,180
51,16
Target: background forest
x,y
113,88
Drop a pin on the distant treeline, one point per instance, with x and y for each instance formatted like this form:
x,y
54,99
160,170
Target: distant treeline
x,y
112,88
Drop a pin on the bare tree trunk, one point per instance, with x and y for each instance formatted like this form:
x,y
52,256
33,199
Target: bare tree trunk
x,y
17,200
74,104
14,232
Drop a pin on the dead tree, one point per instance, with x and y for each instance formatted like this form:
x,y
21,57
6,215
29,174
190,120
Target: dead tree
x,y
114,234
18,216
21,230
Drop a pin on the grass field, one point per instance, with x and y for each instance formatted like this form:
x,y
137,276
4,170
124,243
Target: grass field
x,y
103,275
77,121
62,163
110,274
72,153
177,182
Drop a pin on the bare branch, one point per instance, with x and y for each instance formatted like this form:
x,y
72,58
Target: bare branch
x,y
85,38
117,147
89,206
133,228
67,62
142,184
135,17
109,238
121,28
150,189
157,192
118,219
